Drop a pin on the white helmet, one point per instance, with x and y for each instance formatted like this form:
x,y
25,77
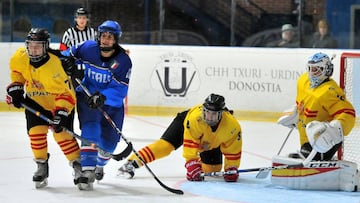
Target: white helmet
x,y
320,68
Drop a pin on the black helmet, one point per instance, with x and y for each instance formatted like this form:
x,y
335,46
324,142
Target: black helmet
x,y
81,12
40,35
214,102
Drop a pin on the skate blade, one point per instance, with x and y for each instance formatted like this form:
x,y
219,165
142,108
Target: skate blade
x,y
85,186
125,175
41,184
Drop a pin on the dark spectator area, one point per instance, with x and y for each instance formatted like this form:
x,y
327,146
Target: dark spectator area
x,y
255,23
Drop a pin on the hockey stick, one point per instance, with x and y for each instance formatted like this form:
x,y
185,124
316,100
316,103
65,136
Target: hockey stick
x,y
287,137
108,118
117,157
263,172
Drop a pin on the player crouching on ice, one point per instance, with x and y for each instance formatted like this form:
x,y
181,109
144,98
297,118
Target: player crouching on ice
x,y
323,116
207,131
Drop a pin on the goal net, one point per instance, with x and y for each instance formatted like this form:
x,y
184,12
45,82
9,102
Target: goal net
x,y
350,82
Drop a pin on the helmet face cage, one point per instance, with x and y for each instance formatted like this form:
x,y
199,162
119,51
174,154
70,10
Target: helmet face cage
x,y
211,117
39,36
111,27
213,107
319,68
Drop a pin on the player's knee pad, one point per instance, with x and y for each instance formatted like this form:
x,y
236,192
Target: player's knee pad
x,y
38,141
208,168
318,175
39,129
62,136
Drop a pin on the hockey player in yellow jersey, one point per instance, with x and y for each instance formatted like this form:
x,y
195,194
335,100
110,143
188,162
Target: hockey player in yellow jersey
x,y
321,109
323,116
49,91
207,132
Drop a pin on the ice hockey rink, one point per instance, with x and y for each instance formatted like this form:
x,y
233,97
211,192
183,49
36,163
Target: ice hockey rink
x,y
261,140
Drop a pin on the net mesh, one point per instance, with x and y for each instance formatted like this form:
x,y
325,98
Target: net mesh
x,y
351,79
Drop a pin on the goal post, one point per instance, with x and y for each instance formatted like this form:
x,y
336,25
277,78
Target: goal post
x,y
350,82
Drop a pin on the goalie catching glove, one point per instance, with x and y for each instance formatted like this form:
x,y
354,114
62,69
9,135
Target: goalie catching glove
x,y
194,170
289,117
323,136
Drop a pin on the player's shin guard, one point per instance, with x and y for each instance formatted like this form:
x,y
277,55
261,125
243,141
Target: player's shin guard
x,y
38,141
156,150
68,145
150,153
318,175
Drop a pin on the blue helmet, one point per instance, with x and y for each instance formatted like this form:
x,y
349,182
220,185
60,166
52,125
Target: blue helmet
x,y
112,27
320,68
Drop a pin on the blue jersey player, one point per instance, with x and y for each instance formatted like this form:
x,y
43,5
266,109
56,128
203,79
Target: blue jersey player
x,y
106,76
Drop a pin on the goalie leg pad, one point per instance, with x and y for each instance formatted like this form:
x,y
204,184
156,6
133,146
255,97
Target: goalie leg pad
x,y
319,175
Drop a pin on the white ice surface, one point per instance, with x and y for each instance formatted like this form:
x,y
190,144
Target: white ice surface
x,y
261,140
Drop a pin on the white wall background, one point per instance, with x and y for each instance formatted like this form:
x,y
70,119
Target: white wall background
x,y
251,79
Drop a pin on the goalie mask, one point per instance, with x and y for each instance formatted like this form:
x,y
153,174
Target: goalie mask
x,y
37,43
111,27
213,107
319,68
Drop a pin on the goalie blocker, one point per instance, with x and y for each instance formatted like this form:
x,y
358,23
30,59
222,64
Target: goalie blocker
x,y
317,175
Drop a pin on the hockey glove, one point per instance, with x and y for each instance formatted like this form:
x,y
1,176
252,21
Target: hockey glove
x,y
59,120
96,100
323,135
68,64
15,94
231,175
194,170
289,118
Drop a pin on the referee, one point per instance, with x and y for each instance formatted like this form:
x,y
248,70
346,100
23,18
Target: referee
x,y
80,32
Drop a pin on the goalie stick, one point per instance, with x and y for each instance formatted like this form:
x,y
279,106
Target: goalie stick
x,y
108,118
287,137
263,172
118,157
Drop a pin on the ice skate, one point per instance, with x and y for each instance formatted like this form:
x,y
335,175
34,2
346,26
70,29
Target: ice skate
x,y
99,173
128,169
42,173
77,170
86,180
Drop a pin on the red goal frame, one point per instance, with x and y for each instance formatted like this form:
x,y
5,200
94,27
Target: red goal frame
x,y
343,57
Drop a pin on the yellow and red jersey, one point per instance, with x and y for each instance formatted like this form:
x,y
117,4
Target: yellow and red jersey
x,y
326,102
48,85
199,137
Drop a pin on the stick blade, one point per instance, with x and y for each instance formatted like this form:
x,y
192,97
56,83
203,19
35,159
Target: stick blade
x,y
123,154
263,173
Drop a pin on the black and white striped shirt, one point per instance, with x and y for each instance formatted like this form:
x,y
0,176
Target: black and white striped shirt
x,y
74,36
